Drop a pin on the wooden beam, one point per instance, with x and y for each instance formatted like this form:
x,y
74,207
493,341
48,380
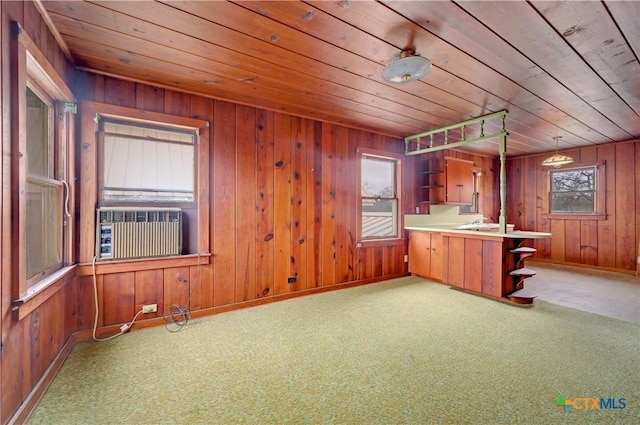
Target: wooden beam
x,y
458,127
502,149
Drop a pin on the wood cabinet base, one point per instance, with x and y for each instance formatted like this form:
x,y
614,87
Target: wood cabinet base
x,y
481,263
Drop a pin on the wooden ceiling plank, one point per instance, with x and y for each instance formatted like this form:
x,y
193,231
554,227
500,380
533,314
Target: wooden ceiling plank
x,y
521,24
319,24
288,84
313,21
627,15
136,48
595,36
175,38
577,133
334,32
360,73
273,51
148,75
182,87
155,71
542,126
324,60
112,20
513,73
265,8
496,90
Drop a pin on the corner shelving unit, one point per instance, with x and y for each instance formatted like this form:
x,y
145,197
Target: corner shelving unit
x,y
432,187
520,274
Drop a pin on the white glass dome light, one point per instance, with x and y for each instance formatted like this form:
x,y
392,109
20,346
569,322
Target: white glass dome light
x,y
407,67
557,160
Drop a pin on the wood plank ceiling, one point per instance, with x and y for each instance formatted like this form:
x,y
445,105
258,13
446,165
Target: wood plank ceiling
x,y
561,68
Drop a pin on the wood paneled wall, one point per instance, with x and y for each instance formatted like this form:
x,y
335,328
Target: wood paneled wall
x,y
283,198
31,345
610,243
283,195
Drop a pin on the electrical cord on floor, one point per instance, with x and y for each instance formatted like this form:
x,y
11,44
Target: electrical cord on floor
x,y
124,328
175,316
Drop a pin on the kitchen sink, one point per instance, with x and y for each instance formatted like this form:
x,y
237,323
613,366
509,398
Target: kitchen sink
x,y
478,226
485,227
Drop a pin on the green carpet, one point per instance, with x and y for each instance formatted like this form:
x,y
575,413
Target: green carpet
x,y
405,351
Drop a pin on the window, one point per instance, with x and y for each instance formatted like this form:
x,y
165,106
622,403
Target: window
x,y
573,190
44,205
138,158
379,189
473,208
43,137
146,163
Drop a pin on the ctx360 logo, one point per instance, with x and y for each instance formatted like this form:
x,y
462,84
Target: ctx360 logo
x,y
590,403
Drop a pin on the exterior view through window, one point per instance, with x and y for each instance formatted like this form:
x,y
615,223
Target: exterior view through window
x,y
44,192
573,191
144,163
379,196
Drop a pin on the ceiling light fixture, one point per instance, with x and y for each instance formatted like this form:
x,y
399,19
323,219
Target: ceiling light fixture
x,y
557,159
407,67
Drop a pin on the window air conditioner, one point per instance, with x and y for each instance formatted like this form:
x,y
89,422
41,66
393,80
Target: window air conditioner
x,y
138,232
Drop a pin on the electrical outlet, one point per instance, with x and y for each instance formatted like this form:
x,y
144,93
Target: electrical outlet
x,y
406,258
291,279
150,308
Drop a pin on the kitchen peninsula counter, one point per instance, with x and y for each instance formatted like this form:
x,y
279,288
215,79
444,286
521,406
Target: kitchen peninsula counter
x,y
452,228
479,261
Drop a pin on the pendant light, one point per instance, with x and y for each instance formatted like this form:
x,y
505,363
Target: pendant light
x,y
407,67
557,159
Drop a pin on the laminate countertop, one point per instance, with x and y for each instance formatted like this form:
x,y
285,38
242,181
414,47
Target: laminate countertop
x,y
482,229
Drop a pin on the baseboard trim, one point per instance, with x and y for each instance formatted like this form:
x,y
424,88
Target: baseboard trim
x,y
107,331
583,266
26,408
29,404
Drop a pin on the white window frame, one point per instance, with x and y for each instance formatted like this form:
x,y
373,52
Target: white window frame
x,y
599,212
593,192
31,69
397,225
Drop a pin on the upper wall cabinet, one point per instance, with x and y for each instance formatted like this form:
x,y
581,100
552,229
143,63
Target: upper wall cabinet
x,y
447,181
459,181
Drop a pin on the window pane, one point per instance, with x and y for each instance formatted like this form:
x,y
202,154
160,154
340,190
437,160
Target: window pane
x,y
573,180
379,218
573,191
378,177
39,161
43,227
572,202
379,198
144,163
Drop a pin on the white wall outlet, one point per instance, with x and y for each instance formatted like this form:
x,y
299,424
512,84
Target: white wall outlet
x,y
406,258
150,308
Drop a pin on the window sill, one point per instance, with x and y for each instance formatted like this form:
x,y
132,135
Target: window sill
x,y
578,216
42,291
139,264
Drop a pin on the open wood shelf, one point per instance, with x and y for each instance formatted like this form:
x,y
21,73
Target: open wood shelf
x,y
520,274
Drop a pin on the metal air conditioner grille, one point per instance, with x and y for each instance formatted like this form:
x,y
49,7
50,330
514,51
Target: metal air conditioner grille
x,y
138,233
